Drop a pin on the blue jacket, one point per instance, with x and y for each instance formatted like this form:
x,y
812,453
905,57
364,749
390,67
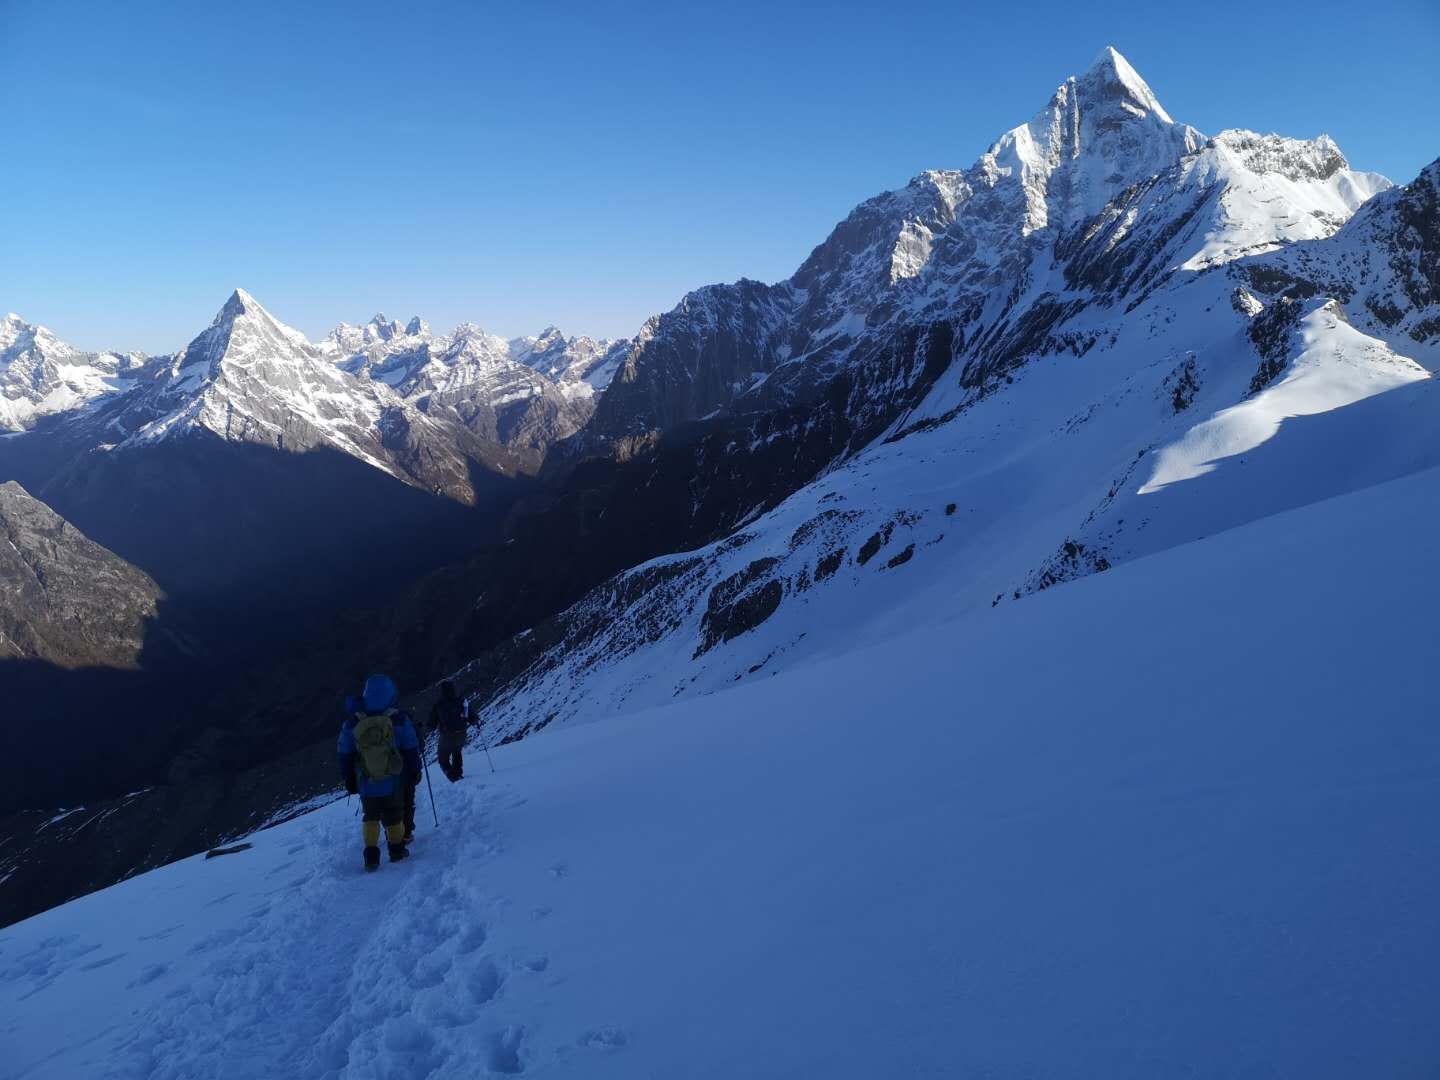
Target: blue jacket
x,y
405,742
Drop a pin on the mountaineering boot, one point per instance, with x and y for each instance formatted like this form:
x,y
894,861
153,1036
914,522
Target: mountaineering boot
x,y
397,852
372,858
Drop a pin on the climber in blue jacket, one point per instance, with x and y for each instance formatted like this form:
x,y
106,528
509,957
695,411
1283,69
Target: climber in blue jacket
x,y
380,762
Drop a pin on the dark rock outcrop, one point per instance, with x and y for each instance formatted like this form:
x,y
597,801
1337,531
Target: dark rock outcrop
x,y
67,600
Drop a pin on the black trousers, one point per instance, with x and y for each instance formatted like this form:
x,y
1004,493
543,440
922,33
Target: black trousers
x,y
448,749
386,809
409,808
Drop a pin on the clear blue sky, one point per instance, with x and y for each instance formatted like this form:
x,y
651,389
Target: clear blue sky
x,y
577,164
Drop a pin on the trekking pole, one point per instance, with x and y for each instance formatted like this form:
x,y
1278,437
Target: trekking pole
x,y
484,746
433,814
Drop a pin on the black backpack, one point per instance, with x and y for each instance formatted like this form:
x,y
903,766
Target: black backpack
x,y
449,715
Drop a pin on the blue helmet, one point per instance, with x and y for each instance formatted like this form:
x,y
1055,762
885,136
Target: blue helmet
x,y
380,693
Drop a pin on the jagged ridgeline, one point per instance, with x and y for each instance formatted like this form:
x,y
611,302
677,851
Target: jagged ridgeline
x,y
1111,335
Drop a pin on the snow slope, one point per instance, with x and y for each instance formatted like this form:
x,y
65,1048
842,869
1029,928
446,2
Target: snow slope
x,y
1197,411
1074,836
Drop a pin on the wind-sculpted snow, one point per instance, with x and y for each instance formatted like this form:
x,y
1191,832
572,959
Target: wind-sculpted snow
x,y
1333,366
1095,839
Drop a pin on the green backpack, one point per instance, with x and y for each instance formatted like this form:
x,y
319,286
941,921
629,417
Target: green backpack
x,y
375,741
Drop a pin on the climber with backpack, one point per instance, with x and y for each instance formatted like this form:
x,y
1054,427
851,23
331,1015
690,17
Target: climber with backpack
x,y
447,717
380,762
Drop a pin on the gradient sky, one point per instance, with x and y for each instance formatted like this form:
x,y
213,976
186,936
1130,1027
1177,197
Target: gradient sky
x,y
576,164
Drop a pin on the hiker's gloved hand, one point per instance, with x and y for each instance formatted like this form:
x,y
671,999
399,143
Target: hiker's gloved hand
x,y
352,786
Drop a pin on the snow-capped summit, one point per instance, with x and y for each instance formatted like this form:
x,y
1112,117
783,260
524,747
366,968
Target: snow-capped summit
x,y
358,346
1111,68
523,392
581,366
383,328
250,379
40,375
1098,198
1100,133
243,332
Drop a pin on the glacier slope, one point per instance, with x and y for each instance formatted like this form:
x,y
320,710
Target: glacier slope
x,y
1092,833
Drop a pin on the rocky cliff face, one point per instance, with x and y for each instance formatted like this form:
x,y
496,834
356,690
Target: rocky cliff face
x,y
67,600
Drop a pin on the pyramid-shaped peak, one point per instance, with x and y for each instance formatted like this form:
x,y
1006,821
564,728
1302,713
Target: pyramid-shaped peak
x,y
241,303
243,319
1111,68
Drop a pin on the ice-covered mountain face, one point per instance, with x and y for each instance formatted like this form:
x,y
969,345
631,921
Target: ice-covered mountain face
x,y
40,375
1098,197
524,393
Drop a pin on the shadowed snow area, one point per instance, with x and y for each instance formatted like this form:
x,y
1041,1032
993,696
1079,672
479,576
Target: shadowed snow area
x,y
1173,819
